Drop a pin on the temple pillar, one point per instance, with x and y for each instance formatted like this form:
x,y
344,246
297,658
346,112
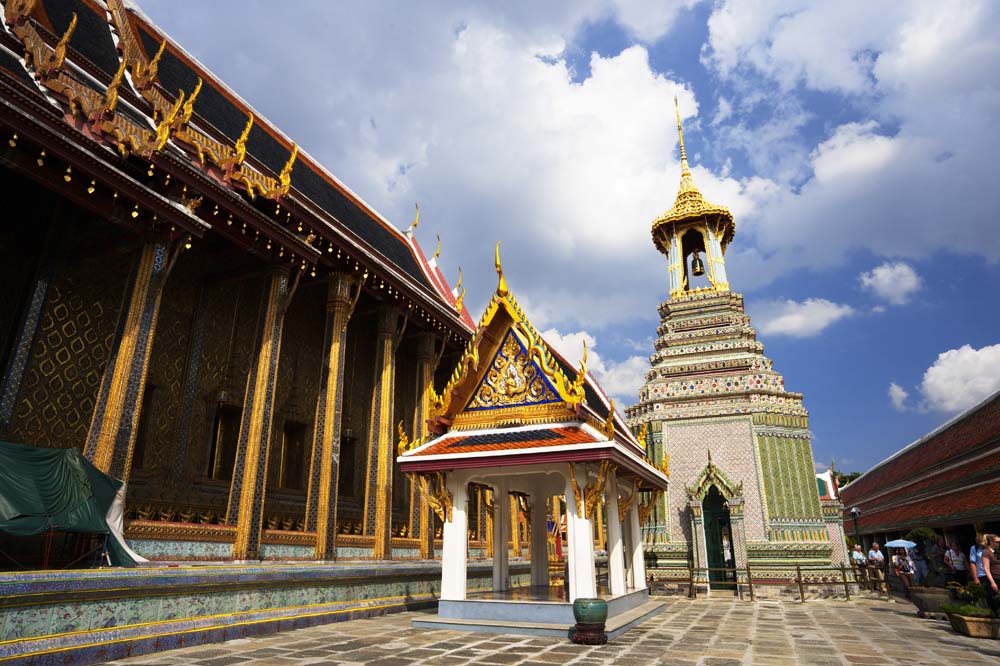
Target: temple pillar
x,y
698,546
115,422
738,533
421,516
539,540
616,549
321,505
246,493
580,568
455,540
515,527
637,556
501,520
378,492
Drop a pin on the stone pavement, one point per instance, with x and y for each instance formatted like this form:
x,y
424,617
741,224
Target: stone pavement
x,y
702,632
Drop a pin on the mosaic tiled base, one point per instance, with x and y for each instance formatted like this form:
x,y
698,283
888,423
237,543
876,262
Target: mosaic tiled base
x,y
141,610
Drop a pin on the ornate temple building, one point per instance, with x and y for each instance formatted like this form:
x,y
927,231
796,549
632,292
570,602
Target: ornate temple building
x,y
200,307
743,489
518,420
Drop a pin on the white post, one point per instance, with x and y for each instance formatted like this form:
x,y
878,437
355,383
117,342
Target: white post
x,y
616,550
456,541
638,557
501,519
580,569
539,540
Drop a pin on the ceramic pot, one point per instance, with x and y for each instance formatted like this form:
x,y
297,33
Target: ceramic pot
x,y
590,611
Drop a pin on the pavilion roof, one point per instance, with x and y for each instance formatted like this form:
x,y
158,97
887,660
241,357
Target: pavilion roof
x,y
512,399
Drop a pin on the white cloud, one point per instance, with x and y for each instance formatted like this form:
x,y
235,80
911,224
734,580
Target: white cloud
x,y
898,395
798,319
960,378
894,283
619,379
649,20
915,81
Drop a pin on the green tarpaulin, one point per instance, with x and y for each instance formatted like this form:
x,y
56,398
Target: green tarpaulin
x,y
55,489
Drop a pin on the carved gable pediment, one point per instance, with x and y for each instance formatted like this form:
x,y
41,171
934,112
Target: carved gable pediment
x,y
512,379
713,476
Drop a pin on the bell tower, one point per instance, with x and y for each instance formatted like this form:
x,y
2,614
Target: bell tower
x,y
691,228
743,486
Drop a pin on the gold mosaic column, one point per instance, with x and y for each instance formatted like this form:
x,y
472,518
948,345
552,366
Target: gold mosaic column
x,y
381,443
421,518
114,425
246,494
321,506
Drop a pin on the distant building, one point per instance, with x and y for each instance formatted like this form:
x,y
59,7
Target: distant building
x,y
948,480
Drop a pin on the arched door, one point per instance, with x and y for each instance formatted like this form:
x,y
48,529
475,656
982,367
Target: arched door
x,y
718,540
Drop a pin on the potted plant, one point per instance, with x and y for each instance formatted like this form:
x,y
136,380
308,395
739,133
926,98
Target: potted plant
x,y
972,620
929,600
970,593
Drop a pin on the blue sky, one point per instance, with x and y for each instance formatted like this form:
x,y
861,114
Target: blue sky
x,y
854,144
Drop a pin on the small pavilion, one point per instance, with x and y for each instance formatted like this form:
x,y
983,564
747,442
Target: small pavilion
x,y
518,418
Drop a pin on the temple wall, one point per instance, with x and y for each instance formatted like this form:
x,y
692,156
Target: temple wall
x,y
730,441
75,330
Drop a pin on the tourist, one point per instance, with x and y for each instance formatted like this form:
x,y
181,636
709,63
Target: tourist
x,y
957,565
876,564
976,560
920,556
935,557
991,567
904,569
858,557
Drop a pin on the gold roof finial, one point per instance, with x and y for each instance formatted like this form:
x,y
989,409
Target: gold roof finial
x,y
437,252
685,170
502,284
416,220
459,292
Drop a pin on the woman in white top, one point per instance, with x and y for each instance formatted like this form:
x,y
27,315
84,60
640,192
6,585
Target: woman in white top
x,y
958,565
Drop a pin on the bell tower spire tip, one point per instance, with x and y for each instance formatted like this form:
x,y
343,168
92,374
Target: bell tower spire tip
x,y
685,170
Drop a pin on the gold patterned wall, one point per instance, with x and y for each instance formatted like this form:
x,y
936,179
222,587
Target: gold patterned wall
x,y
73,341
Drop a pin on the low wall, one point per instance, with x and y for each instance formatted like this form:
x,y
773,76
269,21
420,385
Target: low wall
x,y
91,616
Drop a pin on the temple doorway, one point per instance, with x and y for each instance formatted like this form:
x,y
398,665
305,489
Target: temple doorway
x,y
718,541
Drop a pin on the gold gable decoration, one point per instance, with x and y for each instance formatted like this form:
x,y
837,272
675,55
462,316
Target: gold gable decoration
x,y
570,392
511,379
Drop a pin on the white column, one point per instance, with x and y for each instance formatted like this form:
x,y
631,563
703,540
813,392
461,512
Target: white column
x,y
455,541
616,550
539,540
638,568
580,569
501,520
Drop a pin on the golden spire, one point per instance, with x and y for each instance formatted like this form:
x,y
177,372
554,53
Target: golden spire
x,y
685,171
690,206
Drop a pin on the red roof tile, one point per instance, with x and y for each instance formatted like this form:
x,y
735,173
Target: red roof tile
x,y
509,440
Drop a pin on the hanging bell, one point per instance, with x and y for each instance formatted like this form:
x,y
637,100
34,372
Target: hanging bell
x,y
697,268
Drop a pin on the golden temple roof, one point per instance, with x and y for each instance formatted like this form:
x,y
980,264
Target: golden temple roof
x,y
690,205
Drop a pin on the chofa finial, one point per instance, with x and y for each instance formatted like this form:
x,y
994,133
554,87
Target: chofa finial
x,y
502,283
416,220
